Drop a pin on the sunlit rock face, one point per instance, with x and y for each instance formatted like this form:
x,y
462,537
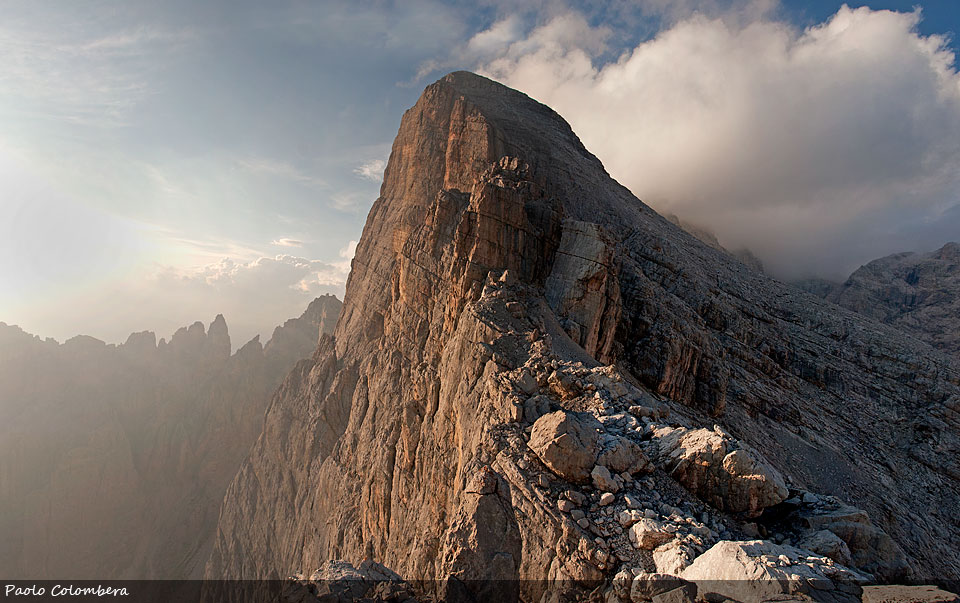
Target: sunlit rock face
x,y
114,459
503,276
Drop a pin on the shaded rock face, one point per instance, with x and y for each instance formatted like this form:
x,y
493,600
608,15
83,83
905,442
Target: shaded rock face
x,y
706,236
918,293
498,269
581,287
114,459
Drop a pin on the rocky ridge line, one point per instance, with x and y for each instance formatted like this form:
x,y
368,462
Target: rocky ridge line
x,y
918,293
498,247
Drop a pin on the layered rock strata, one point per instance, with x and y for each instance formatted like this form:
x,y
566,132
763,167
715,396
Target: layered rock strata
x,y
519,337
918,293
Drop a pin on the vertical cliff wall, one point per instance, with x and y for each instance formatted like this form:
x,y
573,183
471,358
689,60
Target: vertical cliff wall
x,y
498,271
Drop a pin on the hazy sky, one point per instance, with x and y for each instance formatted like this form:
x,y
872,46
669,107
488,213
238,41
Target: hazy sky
x,y
162,162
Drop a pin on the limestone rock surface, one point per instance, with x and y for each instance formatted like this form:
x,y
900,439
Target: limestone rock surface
x,y
918,293
567,443
502,277
761,571
720,470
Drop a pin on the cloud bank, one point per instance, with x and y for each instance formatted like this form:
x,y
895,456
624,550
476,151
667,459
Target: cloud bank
x,y
817,149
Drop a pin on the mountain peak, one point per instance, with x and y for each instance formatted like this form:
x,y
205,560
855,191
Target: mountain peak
x,y
218,338
507,294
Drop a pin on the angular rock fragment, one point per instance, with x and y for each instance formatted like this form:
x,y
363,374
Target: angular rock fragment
x,y
621,455
648,534
870,549
683,594
649,586
535,407
757,570
602,480
673,557
628,518
828,544
720,470
567,443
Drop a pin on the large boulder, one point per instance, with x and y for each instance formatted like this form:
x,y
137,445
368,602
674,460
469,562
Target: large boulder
x,y
622,455
757,570
872,550
869,548
720,470
567,443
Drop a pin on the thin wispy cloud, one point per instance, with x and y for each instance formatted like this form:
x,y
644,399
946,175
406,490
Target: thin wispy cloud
x,y
189,251
87,78
284,242
371,170
280,169
349,201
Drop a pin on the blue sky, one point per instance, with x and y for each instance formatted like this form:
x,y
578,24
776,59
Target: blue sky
x,y
163,162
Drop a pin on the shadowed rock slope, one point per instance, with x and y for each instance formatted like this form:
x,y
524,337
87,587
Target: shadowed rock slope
x,y
114,459
502,278
918,293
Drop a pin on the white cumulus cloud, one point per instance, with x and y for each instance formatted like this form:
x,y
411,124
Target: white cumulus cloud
x,y
818,149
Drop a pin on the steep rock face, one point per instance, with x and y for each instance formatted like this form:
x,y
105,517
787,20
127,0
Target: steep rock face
x,y
918,293
114,459
468,282
582,287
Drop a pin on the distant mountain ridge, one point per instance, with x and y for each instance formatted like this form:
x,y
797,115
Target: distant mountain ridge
x,y
918,293
114,458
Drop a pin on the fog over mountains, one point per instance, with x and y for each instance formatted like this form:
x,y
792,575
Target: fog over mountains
x,y
536,388
919,293
114,459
